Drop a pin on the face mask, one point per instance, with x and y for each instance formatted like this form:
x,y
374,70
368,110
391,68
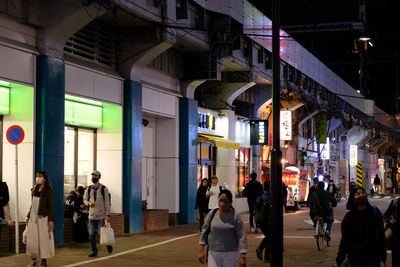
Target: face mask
x,y
39,180
224,206
363,200
95,180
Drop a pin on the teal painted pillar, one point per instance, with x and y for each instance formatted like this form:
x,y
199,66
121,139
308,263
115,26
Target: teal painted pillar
x,y
49,138
132,156
187,160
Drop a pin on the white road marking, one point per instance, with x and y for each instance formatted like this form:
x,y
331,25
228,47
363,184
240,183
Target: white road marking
x,y
387,197
311,222
290,236
130,251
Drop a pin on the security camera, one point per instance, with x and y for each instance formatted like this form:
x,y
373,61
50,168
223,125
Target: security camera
x,y
145,122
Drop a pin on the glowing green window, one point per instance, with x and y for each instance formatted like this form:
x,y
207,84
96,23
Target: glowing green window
x,y
83,112
4,99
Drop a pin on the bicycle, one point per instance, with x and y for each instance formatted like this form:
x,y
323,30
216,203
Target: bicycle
x,y
320,233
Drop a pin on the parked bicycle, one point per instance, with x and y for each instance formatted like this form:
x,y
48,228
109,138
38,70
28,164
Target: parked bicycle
x,y
320,234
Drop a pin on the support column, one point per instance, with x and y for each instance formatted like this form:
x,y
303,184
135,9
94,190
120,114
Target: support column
x,y
132,156
49,147
187,160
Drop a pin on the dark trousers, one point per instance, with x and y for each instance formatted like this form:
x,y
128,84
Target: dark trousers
x,y
80,229
94,225
265,242
202,214
251,210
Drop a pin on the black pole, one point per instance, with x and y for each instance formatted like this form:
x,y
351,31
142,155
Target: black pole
x,y
396,79
276,155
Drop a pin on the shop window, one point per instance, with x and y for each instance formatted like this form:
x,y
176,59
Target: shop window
x,y
206,158
79,157
242,163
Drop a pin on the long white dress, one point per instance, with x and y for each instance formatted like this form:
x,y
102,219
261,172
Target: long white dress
x,y
40,240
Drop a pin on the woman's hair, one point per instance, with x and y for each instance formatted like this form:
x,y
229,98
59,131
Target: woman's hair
x,y
202,181
331,180
350,202
81,190
227,193
47,186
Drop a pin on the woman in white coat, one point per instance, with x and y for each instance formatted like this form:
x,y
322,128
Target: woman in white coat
x,y
40,240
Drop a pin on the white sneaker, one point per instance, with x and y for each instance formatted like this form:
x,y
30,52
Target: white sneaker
x,y
252,229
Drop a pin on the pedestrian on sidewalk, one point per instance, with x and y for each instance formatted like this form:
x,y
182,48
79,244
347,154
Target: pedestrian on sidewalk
x,y
40,222
392,220
388,185
202,202
213,193
80,217
5,214
223,231
263,219
363,238
377,183
97,197
252,191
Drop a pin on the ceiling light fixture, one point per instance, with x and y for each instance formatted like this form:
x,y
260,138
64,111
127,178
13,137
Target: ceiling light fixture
x,y
364,38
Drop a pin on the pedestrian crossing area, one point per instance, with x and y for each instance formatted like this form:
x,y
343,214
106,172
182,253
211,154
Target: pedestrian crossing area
x,y
381,196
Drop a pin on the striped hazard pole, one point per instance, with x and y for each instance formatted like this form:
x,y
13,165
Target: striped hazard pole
x,y
360,180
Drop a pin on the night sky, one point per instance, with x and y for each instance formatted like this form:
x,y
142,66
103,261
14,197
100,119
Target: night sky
x,y
336,48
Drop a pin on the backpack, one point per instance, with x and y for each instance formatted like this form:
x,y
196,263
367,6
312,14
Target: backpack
x,y
102,192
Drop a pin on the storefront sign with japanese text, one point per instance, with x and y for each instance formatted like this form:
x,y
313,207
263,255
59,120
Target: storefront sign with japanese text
x,y
286,125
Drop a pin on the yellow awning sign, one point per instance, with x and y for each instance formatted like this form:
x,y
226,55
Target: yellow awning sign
x,y
218,141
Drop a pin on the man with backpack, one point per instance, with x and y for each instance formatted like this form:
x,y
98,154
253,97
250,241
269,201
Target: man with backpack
x,y
252,190
97,197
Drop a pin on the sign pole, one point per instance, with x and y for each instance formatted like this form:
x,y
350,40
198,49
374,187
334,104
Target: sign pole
x,y
15,135
16,203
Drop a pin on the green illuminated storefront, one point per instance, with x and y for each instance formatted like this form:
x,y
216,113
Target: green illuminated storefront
x,y
89,124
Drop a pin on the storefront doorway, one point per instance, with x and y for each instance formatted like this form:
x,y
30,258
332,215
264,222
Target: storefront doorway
x,y
206,158
80,157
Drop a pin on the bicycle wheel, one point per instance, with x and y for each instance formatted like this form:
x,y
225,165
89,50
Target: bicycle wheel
x,y
320,236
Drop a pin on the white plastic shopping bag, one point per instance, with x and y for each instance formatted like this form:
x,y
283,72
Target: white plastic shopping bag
x,y
107,235
25,235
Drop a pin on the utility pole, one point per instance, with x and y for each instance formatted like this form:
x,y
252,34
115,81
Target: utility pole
x,y
276,155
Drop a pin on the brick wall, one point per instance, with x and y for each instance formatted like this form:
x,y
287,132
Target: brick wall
x,y
7,234
7,239
154,219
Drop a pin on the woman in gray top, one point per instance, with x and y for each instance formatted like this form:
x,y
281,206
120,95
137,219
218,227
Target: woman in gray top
x,y
224,233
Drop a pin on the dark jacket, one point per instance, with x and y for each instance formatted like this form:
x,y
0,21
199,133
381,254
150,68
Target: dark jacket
x,y
362,235
321,208
252,190
393,211
4,197
46,204
334,188
377,181
201,199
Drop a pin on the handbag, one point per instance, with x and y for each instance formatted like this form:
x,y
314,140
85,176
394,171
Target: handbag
x,y
107,236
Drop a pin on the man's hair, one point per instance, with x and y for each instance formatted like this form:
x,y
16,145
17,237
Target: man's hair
x,y
214,177
253,175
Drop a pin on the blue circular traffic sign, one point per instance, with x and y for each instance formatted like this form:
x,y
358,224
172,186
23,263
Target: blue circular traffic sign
x,y
15,134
